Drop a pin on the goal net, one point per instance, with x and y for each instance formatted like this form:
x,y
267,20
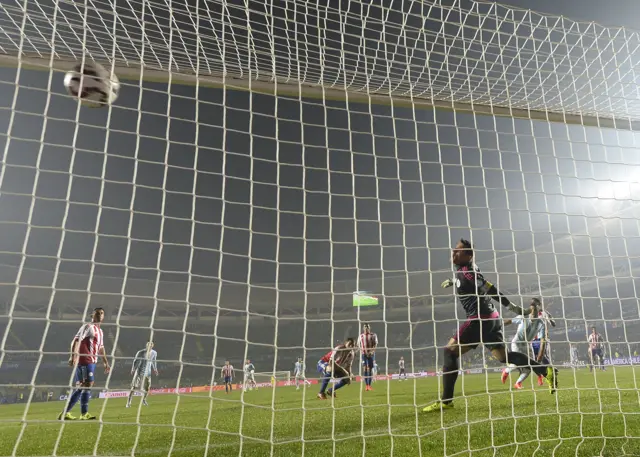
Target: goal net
x,y
267,162
279,378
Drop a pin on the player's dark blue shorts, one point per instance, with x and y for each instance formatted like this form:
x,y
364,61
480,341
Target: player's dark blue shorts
x,y
596,352
85,373
227,379
322,367
368,360
535,345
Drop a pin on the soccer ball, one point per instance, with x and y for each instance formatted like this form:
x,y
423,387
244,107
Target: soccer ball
x,y
92,84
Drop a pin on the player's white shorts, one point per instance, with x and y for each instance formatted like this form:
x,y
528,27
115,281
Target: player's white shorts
x,y
520,346
249,377
140,381
300,376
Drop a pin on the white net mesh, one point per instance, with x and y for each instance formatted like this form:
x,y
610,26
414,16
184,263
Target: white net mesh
x,y
224,223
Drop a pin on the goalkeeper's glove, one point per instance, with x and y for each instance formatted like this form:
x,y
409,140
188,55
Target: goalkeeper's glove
x,y
446,284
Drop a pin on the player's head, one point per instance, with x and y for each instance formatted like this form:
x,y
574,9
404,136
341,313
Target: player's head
x,y
248,361
535,306
98,315
401,358
462,254
150,345
226,362
349,342
593,330
366,328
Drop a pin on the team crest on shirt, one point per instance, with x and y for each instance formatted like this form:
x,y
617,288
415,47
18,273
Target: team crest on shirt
x,y
90,373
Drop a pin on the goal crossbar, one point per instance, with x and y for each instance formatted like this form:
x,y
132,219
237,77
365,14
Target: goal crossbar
x,y
276,87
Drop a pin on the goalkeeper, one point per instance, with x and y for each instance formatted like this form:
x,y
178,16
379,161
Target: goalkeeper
x,y
143,363
483,326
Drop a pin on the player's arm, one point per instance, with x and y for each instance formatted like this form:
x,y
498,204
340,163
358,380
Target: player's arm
x,y
154,364
543,336
551,319
335,354
73,356
86,331
350,368
105,361
492,292
543,347
135,362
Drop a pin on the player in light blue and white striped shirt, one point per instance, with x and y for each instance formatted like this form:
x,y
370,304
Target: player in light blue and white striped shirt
x,y
143,363
298,373
249,382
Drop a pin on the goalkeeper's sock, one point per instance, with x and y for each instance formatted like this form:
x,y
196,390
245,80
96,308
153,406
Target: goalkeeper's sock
x,y
84,401
325,383
524,375
450,374
75,396
522,360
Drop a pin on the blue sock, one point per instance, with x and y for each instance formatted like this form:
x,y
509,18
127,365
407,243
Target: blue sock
x,y
340,384
75,396
84,401
325,383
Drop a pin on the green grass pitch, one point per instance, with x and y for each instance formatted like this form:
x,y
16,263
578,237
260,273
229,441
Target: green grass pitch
x,y
592,415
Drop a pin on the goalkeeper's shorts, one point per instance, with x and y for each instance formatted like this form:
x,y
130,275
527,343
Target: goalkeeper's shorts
x,y
487,331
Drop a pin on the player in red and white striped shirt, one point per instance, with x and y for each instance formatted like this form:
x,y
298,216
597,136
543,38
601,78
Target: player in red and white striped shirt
x,y
336,364
86,346
596,349
227,376
367,343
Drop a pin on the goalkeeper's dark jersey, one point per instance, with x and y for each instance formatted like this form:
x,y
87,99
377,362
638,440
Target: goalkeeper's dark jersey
x,y
471,288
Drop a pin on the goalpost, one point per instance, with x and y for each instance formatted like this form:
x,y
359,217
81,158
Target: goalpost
x,y
265,161
272,379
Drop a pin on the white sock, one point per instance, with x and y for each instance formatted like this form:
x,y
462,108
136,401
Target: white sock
x,y
510,368
524,375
